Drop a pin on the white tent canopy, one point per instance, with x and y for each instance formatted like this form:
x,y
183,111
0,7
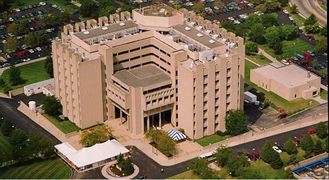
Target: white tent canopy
x,y
94,154
176,135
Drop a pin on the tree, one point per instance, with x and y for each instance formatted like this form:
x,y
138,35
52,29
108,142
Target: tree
x,y
268,5
324,31
209,174
294,9
40,145
269,20
13,29
229,26
165,144
272,36
88,7
318,149
307,143
232,166
311,20
23,26
198,165
243,161
51,105
257,33
236,122
2,83
120,160
222,155
292,160
6,128
278,47
283,3
326,144
266,152
252,19
241,30
218,3
251,47
315,28
30,40
107,11
289,31
65,16
15,76
98,134
49,66
288,174
17,136
54,19
105,3
290,147
276,162
41,37
198,7
127,167
11,44
314,62
321,130
321,46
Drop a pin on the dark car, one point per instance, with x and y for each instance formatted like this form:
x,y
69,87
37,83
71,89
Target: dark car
x,y
324,64
283,115
282,148
142,177
264,106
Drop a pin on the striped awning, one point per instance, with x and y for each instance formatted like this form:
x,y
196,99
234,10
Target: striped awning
x,y
176,135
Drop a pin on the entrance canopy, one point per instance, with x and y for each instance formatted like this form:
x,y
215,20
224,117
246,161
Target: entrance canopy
x,y
176,135
94,154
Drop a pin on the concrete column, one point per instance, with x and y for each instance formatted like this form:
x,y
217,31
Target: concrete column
x,y
148,122
160,114
121,116
128,122
152,120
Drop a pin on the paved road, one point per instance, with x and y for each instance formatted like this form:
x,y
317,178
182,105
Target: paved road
x,y
8,108
307,7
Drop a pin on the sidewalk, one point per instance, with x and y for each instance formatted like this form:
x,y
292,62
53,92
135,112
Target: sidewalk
x,y
274,61
234,141
24,63
252,62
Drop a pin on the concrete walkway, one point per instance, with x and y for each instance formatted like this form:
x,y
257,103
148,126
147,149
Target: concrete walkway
x,y
324,87
230,142
24,63
76,3
320,100
252,62
274,61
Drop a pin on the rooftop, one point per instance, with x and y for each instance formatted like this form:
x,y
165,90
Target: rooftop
x,y
162,10
198,36
289,76
142,76
106,30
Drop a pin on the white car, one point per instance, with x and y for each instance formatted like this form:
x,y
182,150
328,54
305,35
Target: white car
x,y
38,49
291,19
26,60
42,3
18,10
236,22
275,148
285,11
31,51
284,62
11,19
54,6
230,18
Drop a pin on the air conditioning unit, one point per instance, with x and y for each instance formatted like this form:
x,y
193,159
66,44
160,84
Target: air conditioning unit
x,y
104,28
199,35
86,32
187,28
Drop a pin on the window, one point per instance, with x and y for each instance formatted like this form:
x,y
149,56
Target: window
x,y
295,95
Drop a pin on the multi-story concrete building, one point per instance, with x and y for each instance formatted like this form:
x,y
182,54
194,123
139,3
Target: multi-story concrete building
x,y
158,66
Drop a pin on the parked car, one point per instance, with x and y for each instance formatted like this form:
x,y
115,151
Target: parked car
x,y
284,62
283,115
300,57
310,37
282,148
278,150
285,11
264,106
311,131
303,63
311,53
294,58
307,55
26,60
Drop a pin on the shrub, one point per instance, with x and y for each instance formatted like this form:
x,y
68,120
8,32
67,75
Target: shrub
x,y
6,127
220,133
288,174
181,130
318,149
6,89
236,122
276,161
290,147
266,152
51,105
307,143
293,159
321,130
308,154
222,155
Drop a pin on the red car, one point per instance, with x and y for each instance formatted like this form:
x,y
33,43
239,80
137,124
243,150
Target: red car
x,y
21,53
281,8
33,20
311,37
13,11
305,62
283,115
8,24
311,131
307,55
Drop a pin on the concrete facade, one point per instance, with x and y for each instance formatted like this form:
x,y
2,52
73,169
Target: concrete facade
x,y
290,82
186,71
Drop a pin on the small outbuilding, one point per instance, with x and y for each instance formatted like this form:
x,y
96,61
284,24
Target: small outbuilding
x,y
38,87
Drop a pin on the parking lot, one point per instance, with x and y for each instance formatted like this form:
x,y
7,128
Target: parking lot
x,y
37,17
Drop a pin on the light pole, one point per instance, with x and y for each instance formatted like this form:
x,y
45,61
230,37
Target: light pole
x,y
294,48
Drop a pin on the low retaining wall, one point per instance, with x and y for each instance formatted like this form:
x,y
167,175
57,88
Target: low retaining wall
x,y
16,92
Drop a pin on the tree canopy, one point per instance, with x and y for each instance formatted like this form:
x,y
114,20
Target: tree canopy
x,y
88,7
321,130
269,20
97,134
290,146
15,76
51,105
251,47
307,143
236,122
198,7
165,144
49,66
322,45
266,152
289,31
222,155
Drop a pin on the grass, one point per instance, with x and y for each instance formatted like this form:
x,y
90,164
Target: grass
x,y
289,48
65,126
259,59
281,103
30,73
266,170
299,19
212,139
324,94
60,3
47,169
185,175
5,146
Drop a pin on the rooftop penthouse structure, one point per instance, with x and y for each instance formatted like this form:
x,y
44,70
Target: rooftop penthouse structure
x,y
158,66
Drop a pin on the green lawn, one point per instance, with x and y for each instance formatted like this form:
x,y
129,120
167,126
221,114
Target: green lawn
x,y
259,59
288,48
31,73
60,3
324,94
248,66
212,139
186,175
5,146
47,169
65,126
